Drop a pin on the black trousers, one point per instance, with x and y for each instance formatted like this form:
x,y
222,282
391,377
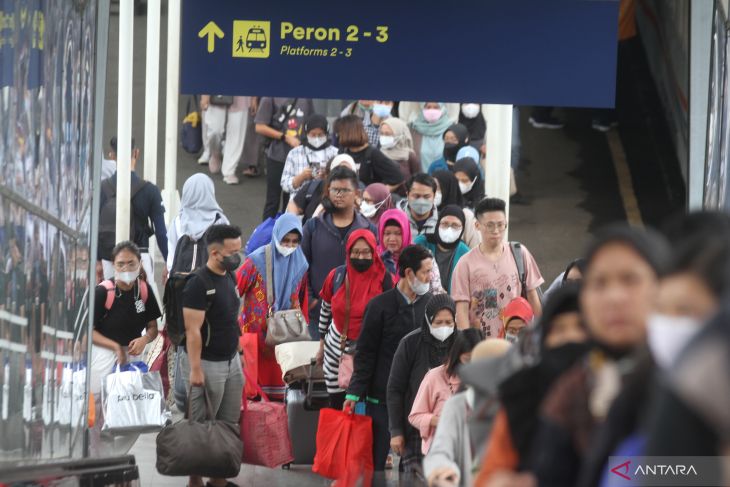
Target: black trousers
x,y
381,434
274,193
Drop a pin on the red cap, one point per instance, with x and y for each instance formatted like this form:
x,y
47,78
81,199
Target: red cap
x,y
518,308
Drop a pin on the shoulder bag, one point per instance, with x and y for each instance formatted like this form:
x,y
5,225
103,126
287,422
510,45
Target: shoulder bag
x,y
347,361
282,326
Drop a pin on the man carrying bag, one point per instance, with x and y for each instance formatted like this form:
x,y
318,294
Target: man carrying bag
x,y
210,365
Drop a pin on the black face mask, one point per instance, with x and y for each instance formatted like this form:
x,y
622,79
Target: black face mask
x,y
555,361
231,262
450,151
361,265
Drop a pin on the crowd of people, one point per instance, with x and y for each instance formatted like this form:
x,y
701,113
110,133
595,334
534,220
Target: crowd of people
x,y
429,316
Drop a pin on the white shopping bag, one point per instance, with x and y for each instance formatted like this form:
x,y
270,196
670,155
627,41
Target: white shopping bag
x,y
128,406
64,398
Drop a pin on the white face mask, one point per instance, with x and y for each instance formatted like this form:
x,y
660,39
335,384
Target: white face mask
x,y
368,210
387,141
438,198
126,277
470,110
510,337
285,251
449,235
418,287
317,142
668,335
466,187
441,333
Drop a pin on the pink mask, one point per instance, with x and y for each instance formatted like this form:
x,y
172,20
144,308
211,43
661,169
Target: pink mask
x,y
432,114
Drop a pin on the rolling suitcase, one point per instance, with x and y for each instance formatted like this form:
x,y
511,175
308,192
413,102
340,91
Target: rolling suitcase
x,y
304,399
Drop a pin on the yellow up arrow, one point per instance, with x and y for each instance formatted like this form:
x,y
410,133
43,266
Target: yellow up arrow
x,y
211,30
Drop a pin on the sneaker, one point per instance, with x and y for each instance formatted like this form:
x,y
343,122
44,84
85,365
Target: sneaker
x,y
603,125
251,172
232,179
204,158
546,123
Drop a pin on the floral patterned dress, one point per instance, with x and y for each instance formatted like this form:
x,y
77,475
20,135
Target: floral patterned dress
x,y
252,319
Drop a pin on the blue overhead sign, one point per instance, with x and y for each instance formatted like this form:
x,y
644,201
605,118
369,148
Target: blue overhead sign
x,y
524,52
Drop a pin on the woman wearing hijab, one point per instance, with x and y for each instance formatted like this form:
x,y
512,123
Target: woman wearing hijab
x,y
396,143
349,287
198,210
445,244
394,234
455,139
472,118
471,184
428,131
308,161
418,352
448,193
376,200
289,273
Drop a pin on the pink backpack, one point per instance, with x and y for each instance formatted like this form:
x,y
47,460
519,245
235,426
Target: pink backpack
x,y
110,294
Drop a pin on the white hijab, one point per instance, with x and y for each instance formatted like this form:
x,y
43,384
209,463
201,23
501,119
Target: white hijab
x,y
198,207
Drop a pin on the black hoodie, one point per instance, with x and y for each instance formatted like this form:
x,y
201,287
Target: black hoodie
x,y
417,353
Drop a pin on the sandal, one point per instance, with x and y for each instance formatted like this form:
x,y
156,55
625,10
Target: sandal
x,y
229,484
251,172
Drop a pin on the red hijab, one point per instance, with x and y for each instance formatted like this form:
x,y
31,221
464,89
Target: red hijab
x,y
363,286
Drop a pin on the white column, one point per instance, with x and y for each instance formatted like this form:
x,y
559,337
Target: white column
x,y
699,84
152,88
124,118
499,152
172,94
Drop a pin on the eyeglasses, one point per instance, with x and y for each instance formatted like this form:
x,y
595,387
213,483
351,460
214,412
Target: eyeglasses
x,y
453,226
492,226
340,191
361,253
129,265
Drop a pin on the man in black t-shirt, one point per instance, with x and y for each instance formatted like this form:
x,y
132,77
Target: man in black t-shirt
x,y
210,311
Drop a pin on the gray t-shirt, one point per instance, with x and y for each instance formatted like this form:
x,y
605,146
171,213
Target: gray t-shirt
x,y
277,108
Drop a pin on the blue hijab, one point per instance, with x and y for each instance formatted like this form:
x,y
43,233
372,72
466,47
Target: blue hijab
x,y
287,271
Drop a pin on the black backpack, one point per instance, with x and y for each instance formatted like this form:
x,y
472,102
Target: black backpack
x,y
108,217
190,255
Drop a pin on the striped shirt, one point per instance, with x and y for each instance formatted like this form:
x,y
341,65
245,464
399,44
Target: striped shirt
x,y
332,348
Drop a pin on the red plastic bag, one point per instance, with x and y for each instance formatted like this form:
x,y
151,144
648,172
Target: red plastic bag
x,y
344,447
265,432
250,346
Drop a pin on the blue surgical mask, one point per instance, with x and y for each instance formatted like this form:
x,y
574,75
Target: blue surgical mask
x,y
381,110
421,206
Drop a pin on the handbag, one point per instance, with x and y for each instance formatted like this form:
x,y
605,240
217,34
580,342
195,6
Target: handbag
x,y
221,100
210,448
265,431
191,134
347,361
282,326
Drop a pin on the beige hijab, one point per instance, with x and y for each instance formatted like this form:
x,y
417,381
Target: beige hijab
x,y
404,140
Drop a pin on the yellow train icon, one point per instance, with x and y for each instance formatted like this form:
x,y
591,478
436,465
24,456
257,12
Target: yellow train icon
x,y
251,38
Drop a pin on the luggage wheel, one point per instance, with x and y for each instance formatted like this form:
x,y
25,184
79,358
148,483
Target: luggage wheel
x,y
286,466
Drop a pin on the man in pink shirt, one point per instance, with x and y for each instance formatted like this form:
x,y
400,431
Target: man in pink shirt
x,y
486,279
